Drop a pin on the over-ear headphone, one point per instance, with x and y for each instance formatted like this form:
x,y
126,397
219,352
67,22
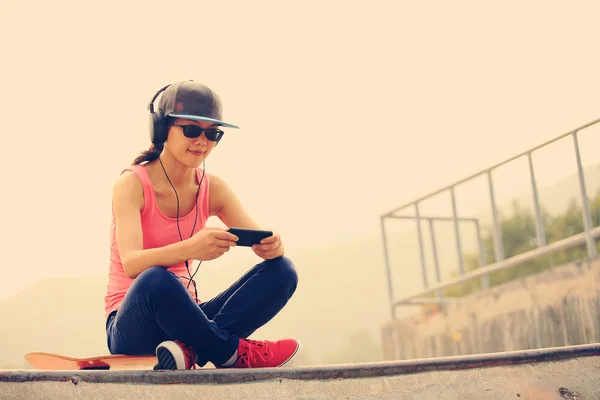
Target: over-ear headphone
x,y
157,122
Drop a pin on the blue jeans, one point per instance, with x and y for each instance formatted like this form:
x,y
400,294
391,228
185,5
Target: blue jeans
x,y
158,307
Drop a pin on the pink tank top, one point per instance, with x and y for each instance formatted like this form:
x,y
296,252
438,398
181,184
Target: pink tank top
x,y
158,231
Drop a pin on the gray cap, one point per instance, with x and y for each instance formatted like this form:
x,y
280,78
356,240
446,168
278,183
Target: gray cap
x,y
193,101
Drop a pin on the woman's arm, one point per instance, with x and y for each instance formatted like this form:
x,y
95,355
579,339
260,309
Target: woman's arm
x,y
228,208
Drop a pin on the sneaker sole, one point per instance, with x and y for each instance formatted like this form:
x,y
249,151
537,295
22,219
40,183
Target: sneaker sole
x,y
164,353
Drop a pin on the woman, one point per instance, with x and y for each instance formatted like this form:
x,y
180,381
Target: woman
x,y
160,207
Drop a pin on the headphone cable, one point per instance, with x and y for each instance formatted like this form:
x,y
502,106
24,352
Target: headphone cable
x,y
191,277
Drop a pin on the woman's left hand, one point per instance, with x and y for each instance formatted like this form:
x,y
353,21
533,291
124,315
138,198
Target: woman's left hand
x,y
269,248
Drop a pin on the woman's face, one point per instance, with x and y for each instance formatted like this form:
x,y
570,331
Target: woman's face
x,y
189,151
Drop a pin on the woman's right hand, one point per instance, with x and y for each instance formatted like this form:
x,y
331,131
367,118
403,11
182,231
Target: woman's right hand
x,y
210,243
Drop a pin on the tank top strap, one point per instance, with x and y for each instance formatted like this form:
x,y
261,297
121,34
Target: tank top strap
x,y
142,174
203,202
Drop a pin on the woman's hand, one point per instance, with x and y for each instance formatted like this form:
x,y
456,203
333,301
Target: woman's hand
x,y
211,243
269,248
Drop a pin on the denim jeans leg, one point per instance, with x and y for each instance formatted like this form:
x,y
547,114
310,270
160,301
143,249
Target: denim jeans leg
x,y
255,298
158,307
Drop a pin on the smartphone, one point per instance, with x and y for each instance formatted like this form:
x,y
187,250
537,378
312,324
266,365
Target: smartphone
x,y
249,237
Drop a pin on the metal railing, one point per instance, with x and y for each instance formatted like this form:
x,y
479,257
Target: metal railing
x,y
587,237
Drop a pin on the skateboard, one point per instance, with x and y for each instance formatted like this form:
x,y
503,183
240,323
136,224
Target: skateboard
x,y
50,361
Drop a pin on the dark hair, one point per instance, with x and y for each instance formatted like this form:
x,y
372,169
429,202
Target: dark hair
x,y
149,155
154,151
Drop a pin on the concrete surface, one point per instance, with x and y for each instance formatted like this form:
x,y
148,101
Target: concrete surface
x,y
558,373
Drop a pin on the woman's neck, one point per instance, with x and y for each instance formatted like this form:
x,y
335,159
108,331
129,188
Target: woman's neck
x,y
179,174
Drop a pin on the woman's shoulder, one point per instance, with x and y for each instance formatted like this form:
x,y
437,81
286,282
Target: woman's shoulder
x,y
128,184
214,179
130,176
219,192
217,184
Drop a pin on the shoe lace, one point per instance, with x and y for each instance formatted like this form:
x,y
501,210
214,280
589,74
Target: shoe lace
x,y
255,350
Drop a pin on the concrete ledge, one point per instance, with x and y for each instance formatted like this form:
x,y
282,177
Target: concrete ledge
x,y
330,372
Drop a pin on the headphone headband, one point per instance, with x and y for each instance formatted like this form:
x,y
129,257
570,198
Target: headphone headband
x,y
157,122
151,103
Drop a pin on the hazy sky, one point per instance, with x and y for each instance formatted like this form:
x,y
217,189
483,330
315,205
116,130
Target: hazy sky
x,y
347,109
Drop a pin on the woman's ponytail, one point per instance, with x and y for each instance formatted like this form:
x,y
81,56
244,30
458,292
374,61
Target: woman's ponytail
x,y
149,155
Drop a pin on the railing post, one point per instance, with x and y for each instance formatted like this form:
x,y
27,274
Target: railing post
x,y
540,232
498,246
434,248
485,279
587,217
421,249
438,275
387,269
461,262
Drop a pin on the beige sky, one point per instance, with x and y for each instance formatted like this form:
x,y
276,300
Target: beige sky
x,y
347,109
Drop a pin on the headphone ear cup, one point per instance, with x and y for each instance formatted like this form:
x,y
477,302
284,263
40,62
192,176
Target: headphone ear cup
x,y
158,128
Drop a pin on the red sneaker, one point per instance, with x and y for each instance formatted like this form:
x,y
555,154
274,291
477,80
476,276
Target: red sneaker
x,y
265,354
173,354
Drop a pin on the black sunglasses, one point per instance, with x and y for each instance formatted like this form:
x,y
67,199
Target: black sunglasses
x,y
194,131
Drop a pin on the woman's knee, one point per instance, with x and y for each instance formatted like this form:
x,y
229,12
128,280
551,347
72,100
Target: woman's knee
x,y
284,270
156,279
154,273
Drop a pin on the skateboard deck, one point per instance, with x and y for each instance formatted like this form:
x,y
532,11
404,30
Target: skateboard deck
x,y
50,361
